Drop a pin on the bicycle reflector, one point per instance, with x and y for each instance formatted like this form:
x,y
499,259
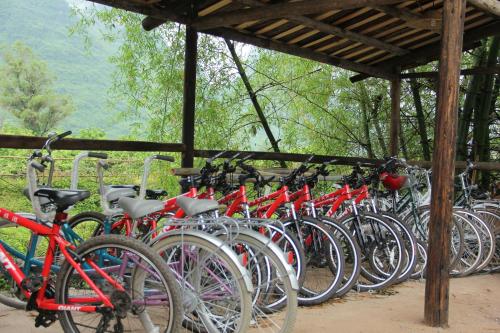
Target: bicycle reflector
x,y
393,182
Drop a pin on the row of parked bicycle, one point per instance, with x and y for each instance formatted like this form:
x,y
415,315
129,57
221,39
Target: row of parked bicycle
x,y
233,252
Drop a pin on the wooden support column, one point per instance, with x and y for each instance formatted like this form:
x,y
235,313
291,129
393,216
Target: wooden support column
x,y
188,110
395,113
443,166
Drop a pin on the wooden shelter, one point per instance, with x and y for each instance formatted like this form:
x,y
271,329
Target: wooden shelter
x,y
374,38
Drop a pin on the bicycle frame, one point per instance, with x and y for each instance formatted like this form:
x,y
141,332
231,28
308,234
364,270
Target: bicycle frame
x,y
55,242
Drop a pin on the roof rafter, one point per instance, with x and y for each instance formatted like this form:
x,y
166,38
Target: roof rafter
x,y
280,10
315,23
334,30
431,52
301,52
428,21
491,6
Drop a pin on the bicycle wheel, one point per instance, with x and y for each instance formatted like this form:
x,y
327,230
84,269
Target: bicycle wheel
x,y
472,243
150,301
421,266
352,254
489,219
381,245
324,260
410,243
87,224
457,234
274,298
19,240
288,242
495,261
216,289
486,233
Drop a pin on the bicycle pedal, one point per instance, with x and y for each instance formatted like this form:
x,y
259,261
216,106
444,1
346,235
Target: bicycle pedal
x,y
45,318
31,304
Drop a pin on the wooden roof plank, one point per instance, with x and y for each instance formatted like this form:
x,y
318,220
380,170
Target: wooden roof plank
x,y
298,51
334,30
431,52
280,10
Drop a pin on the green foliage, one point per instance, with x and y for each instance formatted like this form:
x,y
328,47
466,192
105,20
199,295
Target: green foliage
x,y
26,90
84,73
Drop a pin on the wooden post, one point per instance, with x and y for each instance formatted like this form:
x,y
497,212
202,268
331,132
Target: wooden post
x,y
188,110
443,165
395,112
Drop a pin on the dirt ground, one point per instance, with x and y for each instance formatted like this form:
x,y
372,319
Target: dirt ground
x,y
474,307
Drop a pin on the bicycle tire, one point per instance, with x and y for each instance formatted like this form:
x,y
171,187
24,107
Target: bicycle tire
x,y
138,249
208,245
265,312
410,242
373,282
318,232
352,253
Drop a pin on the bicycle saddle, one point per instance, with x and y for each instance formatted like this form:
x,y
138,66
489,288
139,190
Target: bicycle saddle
x,y
43,201
138,208
155,194
63,199
112,193
150,194
194,207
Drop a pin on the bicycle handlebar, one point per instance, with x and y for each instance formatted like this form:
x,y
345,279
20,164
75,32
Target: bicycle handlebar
x,y
37,166
216,156
165,158
94,154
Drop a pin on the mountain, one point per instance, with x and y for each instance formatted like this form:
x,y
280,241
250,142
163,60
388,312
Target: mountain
x,y
84,74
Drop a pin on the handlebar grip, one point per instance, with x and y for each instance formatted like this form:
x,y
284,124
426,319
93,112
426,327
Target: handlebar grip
x,y
103,164
246,158
47,158
268,180
216,156
93,154
164,158
38,166
228,160
63,135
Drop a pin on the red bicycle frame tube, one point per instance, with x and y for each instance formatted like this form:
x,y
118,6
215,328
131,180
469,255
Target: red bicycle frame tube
x,y
335,199
280,197
361,194
55,240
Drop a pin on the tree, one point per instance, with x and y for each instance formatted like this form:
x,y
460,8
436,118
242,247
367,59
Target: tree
x,y
26,90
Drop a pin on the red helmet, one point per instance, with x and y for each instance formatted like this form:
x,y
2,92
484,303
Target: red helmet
x,y
393,182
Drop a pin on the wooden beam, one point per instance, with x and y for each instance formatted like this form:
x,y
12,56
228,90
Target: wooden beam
x,y
354,36
395,114
280,10
461,165
414,20
188,110
430,52
272,156
443,166
299,52
464,72
490,6
159,13
329,29
35,142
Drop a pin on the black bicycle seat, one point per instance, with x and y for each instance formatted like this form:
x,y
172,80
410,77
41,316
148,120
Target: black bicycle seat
x,y
155,194
63,199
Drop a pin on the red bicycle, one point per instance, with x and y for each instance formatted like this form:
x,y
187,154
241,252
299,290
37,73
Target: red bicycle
x,y
112,282
322,255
